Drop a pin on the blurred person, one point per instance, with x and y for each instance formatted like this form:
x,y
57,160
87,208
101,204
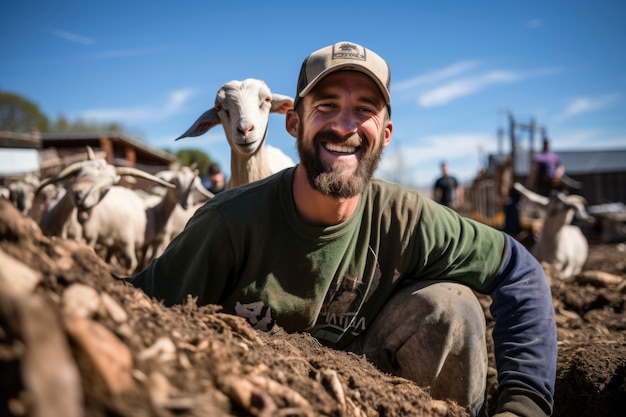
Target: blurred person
x,y
216,181
546,172
446,189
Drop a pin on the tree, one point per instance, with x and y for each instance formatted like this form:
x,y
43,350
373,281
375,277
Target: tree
x,y
190,156
62,125
18,114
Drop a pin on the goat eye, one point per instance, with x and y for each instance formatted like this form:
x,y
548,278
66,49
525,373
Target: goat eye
x,y
220,108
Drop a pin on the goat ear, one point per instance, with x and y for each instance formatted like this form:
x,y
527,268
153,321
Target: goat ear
x,y
281,103
206,121
580,211
531,196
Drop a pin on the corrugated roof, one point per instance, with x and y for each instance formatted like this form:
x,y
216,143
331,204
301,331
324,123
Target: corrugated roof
x,y
587,162
19,140
576,162
117,136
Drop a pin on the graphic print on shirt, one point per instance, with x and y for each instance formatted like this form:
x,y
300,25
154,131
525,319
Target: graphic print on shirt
x,y
343,302
258,315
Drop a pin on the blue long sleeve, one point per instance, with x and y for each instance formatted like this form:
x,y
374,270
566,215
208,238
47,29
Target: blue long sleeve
x,y
525,331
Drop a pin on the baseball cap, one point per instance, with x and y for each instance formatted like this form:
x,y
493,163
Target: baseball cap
x,y
343,56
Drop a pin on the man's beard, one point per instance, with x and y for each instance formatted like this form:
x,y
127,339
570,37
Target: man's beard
x,y
335,180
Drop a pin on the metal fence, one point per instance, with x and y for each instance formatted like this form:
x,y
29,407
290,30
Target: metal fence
x,y
481,203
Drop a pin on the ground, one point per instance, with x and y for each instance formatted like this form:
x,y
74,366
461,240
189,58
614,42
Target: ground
x,y
75,341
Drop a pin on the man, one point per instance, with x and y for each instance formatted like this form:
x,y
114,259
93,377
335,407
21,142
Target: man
x,y
445,188
216,179
363,264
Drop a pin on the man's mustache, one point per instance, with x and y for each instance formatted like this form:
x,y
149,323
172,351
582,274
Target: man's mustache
x,y
329,136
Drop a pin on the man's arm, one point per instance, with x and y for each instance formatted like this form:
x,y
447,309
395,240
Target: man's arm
x,y
524,335
195,263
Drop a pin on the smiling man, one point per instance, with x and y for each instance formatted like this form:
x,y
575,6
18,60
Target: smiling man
x,y
363,264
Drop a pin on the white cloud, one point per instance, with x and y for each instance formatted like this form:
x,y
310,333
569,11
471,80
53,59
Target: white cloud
x,y
69,36
447,84
470,85
464,87
435,76
587,139
582,105
174,103
419,163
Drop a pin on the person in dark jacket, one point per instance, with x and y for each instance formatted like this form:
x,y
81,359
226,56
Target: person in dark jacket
x,y
446,189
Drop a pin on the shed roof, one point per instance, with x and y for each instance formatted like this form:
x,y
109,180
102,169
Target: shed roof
x,y
576,162
589,162
48,139
19,140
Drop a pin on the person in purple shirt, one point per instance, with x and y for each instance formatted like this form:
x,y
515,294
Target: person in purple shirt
x,y
546,172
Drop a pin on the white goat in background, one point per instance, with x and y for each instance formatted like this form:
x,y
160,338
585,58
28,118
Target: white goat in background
x,y
243,109
561,244
110,215
196,198
176,200
55,213
22,192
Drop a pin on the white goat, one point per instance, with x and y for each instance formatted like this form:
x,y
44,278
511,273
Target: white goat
x,y
181,215
56,213
123,222
561,244
159,216
119,222
22,192
243,109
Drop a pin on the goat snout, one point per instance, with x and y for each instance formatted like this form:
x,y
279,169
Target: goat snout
x,y
245,129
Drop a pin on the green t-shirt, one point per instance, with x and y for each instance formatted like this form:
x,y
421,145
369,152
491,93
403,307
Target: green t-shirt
x,y
248,250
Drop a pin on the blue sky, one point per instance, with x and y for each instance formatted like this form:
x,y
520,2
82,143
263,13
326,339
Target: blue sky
x,y
457,67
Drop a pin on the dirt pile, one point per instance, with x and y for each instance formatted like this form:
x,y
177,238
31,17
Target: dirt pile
x,y
74,341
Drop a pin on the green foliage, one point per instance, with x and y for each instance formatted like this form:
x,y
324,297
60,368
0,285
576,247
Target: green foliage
x,y
62,125
190,156
18,114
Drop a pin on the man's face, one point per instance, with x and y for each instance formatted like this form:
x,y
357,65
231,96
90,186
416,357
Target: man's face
x,y
216,178
342,126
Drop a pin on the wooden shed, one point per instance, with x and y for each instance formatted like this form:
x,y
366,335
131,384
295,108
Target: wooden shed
x,y
602,174
19,154
60,149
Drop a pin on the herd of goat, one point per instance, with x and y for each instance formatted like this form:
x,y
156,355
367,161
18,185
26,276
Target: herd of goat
x,y
85,201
